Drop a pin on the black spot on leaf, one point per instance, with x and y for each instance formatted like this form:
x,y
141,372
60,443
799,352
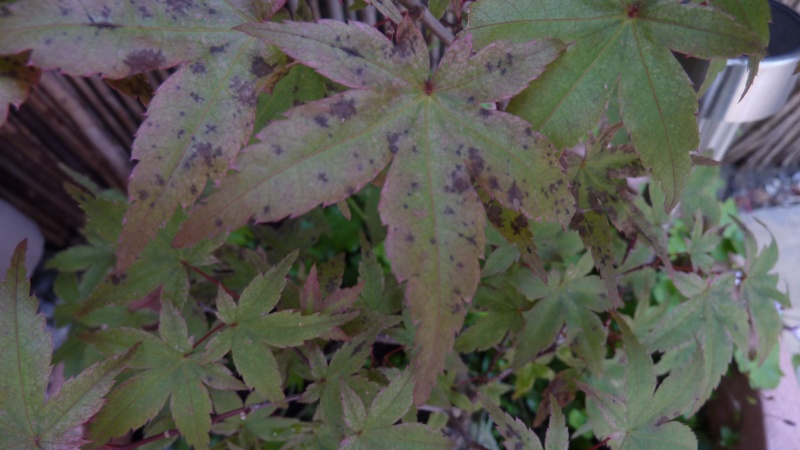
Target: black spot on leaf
x,y
321,121
105,26
260,67
217,49
476,162
343,108
179,6
515,195
196,97
393,138
322,176
198,67
244,92
144,60
484,112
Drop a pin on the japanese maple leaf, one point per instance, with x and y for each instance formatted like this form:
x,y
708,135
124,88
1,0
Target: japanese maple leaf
x,y
624,44
631,413
199,118
438,138
252,329
712,317
758,292
570,299
26,419
603,198
375,427
518,436
169,369
160,266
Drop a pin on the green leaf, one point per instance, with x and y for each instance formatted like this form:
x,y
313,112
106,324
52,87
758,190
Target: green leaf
x,y
625,44
758,291
711,317
199,118
375,428
569,299
26,419
170,370
251,329
160,265
438,139
504,308
16,78
634,414
519,436
603,196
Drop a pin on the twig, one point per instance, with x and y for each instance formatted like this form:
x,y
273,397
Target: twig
x,y
211,279
418,11
245,410
207,335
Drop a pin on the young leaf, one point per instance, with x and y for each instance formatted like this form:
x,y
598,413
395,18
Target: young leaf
x,y
169,369
375,428
635,415
626,43
711,317
27,421
439,139
251,330
602,194
160,265
759,293
570,298
199,118
15,80
519,436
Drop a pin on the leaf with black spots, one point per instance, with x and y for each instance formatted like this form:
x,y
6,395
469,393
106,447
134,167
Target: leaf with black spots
x,y
199,118
603,196
439,142
622,44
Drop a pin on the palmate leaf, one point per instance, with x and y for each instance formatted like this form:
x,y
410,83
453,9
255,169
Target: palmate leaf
x,y
375,427
199,118
439,140
603,196
710,317
570,299
160,266
758,291
518,436
26,420
625,44
170,369
15,80
635,415
251,329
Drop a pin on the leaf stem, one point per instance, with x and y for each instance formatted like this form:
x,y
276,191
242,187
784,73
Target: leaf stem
x,y
211,279
243,411
207,335
418,11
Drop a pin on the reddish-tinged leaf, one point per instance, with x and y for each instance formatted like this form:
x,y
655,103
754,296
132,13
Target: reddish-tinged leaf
x,y
440,140
15,80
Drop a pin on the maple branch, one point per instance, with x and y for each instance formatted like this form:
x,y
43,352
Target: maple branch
x,y
418,11
211,279
243,411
